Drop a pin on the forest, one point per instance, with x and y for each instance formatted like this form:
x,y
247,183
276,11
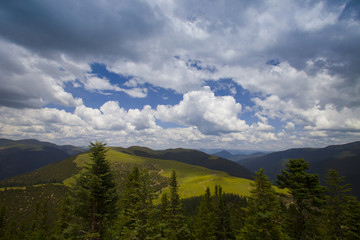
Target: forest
x,y
94,208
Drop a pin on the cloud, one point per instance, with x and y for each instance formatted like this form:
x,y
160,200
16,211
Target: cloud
x,y
96,28
94,83
327,118
28,80
210,114
297,60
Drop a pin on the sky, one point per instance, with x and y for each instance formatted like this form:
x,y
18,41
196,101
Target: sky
x,y
232,74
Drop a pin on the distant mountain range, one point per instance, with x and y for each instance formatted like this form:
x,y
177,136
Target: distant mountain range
x,y
21,156
343,158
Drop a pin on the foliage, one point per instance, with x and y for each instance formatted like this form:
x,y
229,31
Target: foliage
x,y
342,211
94,196
308,199
172,216
302,211
137,217
263,219
205,225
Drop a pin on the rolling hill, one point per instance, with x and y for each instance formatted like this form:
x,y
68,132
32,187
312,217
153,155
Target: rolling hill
x,y
193,179
344,158
21,156
47,185
193,157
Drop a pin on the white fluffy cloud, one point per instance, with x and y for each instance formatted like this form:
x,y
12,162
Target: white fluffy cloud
x,y
210,114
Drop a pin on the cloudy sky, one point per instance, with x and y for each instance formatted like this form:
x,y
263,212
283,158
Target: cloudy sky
x,y
263,75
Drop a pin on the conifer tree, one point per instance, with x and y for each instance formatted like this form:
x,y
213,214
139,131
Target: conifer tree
x,y
164,215
263,212
175,227
341,210
137,218
205,225
308,196
221,216
94,195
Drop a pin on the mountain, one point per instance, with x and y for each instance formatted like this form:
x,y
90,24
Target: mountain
x,y
49,184
193,179
193,157
239,158
343,158
224,154
21,156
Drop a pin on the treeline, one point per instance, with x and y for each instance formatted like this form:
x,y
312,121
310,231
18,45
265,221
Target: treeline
x,y
94,209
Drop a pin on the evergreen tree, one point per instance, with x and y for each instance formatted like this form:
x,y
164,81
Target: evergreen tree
x,y
308,199
205,224
222,216
263,212
164,215
137,219
94,195
173,220
341,210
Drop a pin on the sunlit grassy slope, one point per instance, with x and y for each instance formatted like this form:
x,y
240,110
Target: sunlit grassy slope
x,y
193,180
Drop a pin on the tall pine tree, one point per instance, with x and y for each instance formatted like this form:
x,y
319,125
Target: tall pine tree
x,y
263,212
204,222
223,229
342,210
173,219
137,218
95,197
308,199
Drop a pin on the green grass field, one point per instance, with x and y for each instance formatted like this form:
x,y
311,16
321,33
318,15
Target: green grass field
x,y
193,180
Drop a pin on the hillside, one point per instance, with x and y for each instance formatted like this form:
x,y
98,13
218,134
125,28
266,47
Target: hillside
x,y
344,158
21,156
191,177
193,157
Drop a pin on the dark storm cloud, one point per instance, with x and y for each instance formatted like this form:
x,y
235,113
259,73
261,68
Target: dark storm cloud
x,y
78,27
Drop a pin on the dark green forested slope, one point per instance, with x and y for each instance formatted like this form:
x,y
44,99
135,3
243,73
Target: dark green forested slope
x,y
21,156
344,158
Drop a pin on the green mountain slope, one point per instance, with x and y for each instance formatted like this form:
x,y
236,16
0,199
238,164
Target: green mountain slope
x,y
21,156
48,185
192,157
193,179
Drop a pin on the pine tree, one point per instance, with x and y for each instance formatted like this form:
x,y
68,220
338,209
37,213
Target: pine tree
x,y
308,199
173,219
137,218
221,216
341,210
94,195
205,225
263,212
